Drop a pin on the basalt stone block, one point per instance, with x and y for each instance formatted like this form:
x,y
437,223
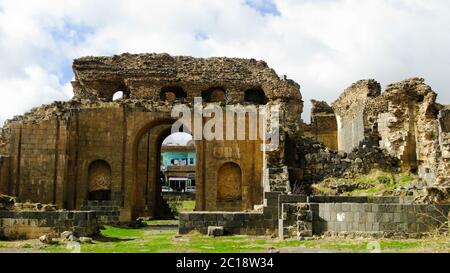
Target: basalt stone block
x,y
195,217
183,230
346,207
183,217
228,216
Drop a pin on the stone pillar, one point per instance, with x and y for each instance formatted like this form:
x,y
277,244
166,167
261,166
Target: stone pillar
x,y
4,174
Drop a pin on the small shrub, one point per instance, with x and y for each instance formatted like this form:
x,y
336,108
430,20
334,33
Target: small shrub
x,y
175,205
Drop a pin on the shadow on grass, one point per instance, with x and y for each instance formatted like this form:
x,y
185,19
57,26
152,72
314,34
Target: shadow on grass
x,y
105,239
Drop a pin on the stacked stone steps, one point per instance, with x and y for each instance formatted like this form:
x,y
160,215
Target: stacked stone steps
x,y
108,212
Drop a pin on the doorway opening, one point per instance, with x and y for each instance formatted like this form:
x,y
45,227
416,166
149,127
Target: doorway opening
x,y
177,172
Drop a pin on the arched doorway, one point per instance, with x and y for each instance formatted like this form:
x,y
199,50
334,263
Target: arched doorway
x,y
229,187
149,178
99,177
177,171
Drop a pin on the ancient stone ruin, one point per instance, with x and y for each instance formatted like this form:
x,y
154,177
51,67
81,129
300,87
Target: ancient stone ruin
x,y
94,153
405,120
66,152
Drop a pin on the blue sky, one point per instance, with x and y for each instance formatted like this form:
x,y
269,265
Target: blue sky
x,y
264,7
323,45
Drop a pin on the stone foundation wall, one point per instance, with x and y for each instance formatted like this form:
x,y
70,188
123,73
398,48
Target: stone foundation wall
x,y
251,223
294,216
107,212
372,219
232,222
33,224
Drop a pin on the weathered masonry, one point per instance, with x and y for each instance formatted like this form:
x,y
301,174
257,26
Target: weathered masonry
x,y
405,121
296,216
99,153
94,148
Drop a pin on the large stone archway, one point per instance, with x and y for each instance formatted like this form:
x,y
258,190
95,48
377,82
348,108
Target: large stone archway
x,y
146,194
52,147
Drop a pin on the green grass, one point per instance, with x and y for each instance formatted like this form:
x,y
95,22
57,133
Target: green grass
x,y
183,206
162,222
373,184
126,240
187,206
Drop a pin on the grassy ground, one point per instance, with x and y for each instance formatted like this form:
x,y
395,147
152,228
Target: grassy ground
x,y
159,237
373,184
187,206
150,240
184,206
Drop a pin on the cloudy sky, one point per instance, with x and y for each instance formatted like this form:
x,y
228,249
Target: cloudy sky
x,y
324,45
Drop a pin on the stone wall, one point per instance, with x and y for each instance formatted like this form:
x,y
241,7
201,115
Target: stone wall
x,y
352,113
33,224
149,76
232,222
294,216
404,120
363,219
319,163
263,222
323,125
444,144
409,127
37,152
107,212
115,134
54,148
302,216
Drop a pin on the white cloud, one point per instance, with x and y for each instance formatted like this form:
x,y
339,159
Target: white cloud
x,y
324,45
37,87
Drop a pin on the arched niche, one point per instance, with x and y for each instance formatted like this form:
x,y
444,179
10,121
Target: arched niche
x,y
215,94
99,180
229,183
255,96
172,93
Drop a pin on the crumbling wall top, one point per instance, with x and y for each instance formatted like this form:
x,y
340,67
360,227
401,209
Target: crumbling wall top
x,y
321,107
144,75
356,95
